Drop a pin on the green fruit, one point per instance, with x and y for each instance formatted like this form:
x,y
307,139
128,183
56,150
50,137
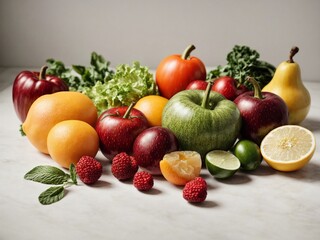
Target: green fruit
x,y
248,153
202,120
222,164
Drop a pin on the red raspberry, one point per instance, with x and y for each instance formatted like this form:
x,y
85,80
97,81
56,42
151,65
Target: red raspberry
x,y
195,191
88,169
123,166
143,181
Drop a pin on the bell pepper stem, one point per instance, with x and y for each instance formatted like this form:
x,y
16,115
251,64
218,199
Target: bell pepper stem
x,y
294,50
42,74
257,93
127,113
205,100
186,54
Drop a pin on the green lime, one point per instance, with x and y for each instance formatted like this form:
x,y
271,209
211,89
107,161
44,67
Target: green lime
x,y
248,153
222,164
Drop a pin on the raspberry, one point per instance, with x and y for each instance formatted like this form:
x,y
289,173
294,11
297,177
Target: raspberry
x,y
88,169
143,181
123,166
195,191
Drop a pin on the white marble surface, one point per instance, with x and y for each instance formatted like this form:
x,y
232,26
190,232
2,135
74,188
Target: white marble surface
x,y
264,204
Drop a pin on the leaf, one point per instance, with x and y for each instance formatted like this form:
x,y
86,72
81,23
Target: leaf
x,y
47,175
73,173
51,195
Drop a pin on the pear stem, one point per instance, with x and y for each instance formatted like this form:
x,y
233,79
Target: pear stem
x,y
294,50
256,88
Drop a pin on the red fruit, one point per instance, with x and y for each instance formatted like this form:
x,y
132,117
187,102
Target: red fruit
x,y
143,181
195,191
88,169
123,166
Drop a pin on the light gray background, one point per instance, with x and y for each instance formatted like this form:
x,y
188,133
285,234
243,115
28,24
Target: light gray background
x,y
147,31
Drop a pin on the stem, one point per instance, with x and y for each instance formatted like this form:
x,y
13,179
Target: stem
x,y
294,50
205,100
127,113
186,54
256,87
42,74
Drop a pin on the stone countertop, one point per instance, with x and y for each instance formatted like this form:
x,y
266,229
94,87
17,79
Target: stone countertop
x,y
263,204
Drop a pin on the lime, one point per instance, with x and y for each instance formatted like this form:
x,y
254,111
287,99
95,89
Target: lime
x,y
248,153
222,164
288,148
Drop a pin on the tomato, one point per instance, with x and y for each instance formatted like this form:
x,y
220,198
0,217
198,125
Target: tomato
x,y
248,153
175,72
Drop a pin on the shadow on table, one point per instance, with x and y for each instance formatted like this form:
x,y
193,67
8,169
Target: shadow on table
x,y
309,173
311,124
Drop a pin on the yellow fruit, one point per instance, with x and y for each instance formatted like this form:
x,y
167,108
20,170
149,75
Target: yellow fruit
x,y
152,106
287,84
288,148
50,109
69,140
180,167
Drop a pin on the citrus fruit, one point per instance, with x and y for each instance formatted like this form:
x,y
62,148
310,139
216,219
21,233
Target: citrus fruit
x,y
288,148
248,152
152,106
69,140
180,167
50,109
222,164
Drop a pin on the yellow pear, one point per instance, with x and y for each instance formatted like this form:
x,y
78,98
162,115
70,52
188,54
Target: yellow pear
x,y
287,84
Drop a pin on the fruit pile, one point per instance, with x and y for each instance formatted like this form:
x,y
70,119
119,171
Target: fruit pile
x,y
191,124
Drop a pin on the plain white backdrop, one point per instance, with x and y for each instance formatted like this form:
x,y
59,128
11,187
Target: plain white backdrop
x,y
145,30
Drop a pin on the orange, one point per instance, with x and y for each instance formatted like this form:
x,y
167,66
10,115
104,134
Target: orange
x,y
180,167
50,109
152,106
69,140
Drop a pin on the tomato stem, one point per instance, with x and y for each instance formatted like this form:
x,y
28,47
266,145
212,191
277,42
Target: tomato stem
x,y
205,100
186,54
256,88
42,74
294,50
127,113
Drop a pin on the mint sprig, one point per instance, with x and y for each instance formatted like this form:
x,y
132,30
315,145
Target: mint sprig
x,y
54,176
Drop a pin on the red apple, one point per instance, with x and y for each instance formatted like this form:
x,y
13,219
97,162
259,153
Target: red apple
x,y
117,129
228,87
151,145
260,112
197,85
28,86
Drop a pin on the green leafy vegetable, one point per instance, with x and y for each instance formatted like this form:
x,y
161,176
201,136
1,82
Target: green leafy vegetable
x,y
51,195
243,61
129,84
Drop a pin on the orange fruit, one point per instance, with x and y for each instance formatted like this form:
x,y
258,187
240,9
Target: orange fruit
x,y
69,140
50,109
152,106
180,167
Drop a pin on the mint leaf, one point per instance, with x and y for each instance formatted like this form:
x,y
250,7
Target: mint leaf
x,y
73,173
47,175
51,195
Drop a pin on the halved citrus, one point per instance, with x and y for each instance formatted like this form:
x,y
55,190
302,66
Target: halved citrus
x,y
180,167
288,148
222,164
152,106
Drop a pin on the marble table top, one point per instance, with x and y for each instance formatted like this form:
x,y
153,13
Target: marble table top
x,y
263,204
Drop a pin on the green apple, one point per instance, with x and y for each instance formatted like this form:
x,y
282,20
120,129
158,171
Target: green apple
x,y
202,120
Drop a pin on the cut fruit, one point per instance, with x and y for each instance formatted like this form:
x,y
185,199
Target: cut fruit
x,y
288,148
180,167
222,164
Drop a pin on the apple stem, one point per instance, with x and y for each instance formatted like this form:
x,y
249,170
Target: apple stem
x,y
186,54
256,88
205,100
42,74
127,113
294,50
